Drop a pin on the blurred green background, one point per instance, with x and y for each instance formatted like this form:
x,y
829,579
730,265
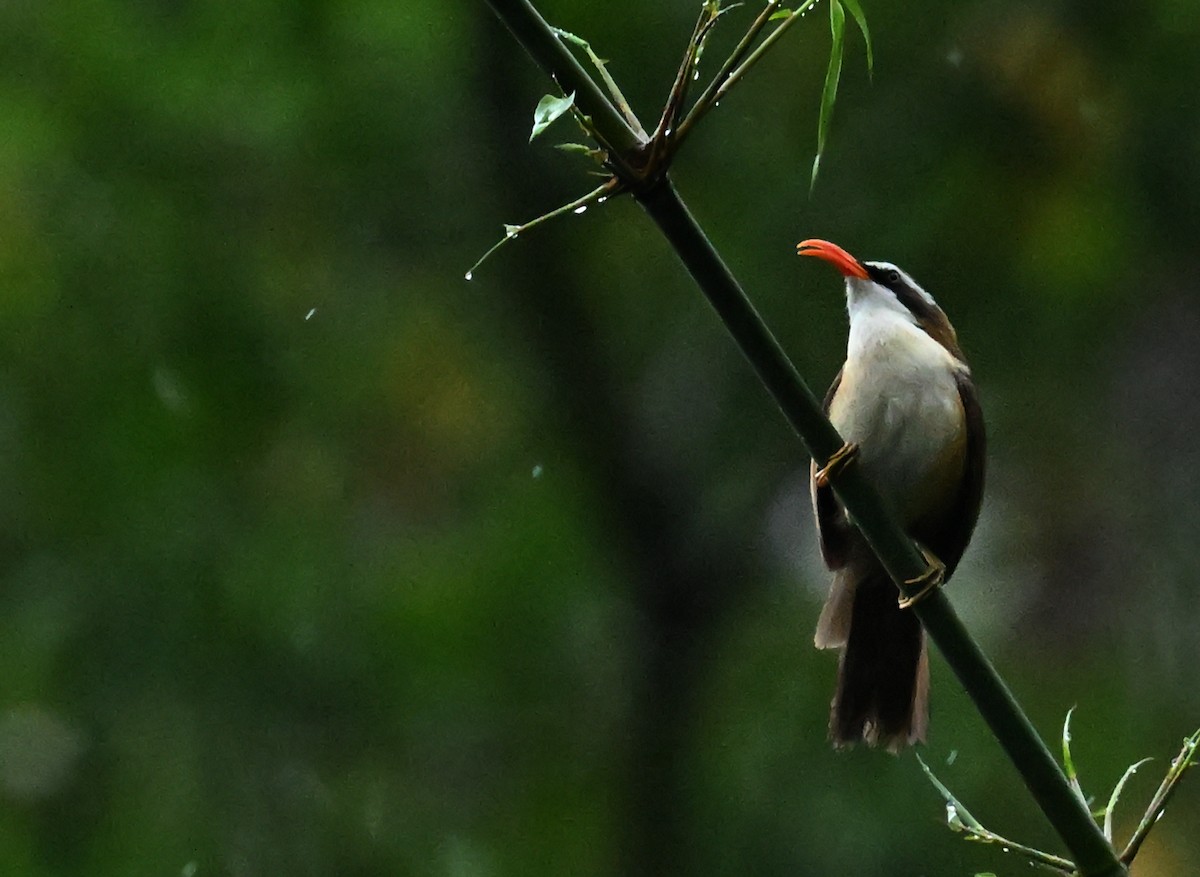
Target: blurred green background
x,y
319,560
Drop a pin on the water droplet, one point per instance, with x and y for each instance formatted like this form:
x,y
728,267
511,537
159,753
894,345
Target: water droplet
x,y
582,208
510,233
1005,850
189,870
537,471
170,390
601,199
695,75
669,132
717,104
309,315
952,757
467,276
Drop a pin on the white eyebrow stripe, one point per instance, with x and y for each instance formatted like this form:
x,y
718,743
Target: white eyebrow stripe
x,y
906,277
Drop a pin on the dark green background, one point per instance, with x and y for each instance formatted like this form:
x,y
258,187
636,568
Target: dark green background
x,y
317,559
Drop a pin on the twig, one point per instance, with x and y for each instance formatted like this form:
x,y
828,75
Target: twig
x,y
959,818
610,187
1158,804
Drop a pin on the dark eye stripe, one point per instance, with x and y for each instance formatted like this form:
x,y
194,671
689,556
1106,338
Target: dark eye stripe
x,y
929,316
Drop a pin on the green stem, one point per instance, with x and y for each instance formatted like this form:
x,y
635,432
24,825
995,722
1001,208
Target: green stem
x,y
1158,804
705,102
540,41
763,48
1092,853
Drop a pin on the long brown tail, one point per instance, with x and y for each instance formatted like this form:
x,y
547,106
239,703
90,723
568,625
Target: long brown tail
x,y
883,675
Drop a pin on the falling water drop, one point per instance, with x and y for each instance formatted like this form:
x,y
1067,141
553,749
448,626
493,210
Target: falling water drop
x,y
601,199
309,315
468,275
582,208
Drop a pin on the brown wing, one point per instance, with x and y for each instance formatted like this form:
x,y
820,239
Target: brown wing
x,y
962,515
832,527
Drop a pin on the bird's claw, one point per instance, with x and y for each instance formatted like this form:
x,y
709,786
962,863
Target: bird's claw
x,y
842,457
924,584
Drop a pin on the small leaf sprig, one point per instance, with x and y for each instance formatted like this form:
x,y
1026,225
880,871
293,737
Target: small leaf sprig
x,y
638,169
959,819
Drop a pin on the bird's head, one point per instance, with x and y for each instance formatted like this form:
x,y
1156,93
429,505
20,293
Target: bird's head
x,y
875,286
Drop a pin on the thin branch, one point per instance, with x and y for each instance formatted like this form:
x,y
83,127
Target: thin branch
x,y
1158,804
683,78
609,82
764,47
707,99
959,818
598,195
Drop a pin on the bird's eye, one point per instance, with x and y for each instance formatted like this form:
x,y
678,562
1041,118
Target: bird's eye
x,y
892,275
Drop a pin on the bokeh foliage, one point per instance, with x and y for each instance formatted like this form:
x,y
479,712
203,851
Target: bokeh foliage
x,y
318,559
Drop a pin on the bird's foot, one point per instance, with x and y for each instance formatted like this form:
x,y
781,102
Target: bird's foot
x,y
842,457
926,583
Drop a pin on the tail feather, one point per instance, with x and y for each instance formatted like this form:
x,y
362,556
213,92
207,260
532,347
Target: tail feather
x,y
883,675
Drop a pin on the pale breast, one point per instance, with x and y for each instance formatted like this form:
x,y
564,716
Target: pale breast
x,y
899,401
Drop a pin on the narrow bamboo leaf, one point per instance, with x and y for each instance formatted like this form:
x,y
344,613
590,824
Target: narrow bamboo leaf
x,y
782,13
1069,762
837,28
1116,795
861,20
548,110
580,148
958,817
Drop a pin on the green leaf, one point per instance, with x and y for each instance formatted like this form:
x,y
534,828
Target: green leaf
x,y
837,27
1116,795
580,148
782,13
861,21
549,109
1069,762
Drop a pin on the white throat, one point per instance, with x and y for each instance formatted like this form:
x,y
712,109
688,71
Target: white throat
x,y
898,397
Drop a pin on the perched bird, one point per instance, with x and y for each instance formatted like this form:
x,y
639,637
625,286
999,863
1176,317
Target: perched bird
x,y
906,407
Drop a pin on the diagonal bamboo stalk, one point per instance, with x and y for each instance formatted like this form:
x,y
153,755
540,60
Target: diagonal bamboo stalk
x,y
1092,853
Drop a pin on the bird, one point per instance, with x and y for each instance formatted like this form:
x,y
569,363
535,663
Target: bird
x,y
907,409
